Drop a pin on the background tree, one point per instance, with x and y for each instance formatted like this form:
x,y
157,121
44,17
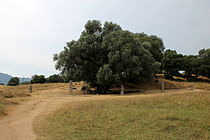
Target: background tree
x,y
38,79
191,66
204,55
56,78
14,81
172,62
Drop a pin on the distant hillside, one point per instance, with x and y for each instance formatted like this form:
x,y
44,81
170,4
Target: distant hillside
x,y
4,78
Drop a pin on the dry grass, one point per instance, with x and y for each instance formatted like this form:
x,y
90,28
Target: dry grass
x,y
179,116
181,85
23,90
168,85
2,106
37,87
9,95
17,91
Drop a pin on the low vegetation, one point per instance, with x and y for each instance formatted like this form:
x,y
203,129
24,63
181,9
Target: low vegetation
x,y
14,91
8,92
14,81
180,85
180,116
23,90
2,106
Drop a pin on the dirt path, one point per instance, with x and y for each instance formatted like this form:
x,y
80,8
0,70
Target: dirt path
x,y
18,124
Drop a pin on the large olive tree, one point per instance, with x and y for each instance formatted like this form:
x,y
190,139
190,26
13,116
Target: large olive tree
x,y
105,55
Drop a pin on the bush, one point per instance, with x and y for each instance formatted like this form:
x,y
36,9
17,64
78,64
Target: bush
x,y
14,81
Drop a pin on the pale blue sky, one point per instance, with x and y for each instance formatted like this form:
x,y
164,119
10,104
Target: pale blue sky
x,y
31,31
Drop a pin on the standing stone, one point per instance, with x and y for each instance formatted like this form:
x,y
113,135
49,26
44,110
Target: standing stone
x,y
191,87
70,87
122,90
30,89
162,86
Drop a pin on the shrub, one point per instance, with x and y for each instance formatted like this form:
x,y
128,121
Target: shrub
x,y
14,81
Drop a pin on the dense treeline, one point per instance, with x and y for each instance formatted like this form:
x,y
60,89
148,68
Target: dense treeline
x,y
107,55
37,79
192,65
55,78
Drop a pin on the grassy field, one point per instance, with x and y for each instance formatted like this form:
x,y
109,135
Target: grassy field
x,y
168,117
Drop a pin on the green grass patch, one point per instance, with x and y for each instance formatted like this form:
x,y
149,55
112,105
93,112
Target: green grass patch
x,y
170,117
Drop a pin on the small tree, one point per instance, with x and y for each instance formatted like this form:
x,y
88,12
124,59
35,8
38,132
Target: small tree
x,y
38,79
105,78
14,81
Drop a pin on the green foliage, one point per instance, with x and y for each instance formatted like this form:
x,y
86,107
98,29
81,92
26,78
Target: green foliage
x,y
107,49
14,81
191,65
153,44
128,60
105,76
56,78
110,27
38,79
197,65
172,62
204,55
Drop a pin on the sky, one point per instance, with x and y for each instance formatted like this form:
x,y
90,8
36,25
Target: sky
x,y
31,31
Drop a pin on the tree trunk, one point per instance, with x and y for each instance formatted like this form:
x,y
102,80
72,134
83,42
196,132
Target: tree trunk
x,y
122,89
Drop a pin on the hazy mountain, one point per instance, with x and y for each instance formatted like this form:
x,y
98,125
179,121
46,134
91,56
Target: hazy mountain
x,y
4,78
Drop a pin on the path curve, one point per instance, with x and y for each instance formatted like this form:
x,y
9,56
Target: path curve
x,y
17,125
